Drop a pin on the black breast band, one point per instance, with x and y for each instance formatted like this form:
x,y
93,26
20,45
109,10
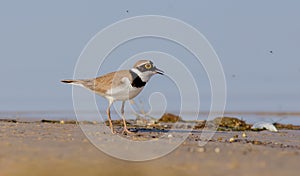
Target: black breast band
x,y
137,81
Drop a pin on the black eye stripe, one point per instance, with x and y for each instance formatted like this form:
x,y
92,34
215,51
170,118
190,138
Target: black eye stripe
x,y
142,68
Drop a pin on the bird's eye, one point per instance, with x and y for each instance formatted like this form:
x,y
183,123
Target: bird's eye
x,y
148,66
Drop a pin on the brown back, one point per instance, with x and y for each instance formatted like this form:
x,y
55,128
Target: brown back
x,y
103,83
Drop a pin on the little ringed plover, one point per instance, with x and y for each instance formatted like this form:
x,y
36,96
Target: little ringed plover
x,y
120,85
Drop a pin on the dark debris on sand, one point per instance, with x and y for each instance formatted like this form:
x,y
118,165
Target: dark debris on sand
x,y
166,122
286,126
231,124
169,118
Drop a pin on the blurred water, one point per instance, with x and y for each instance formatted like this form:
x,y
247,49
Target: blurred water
x,y
249,117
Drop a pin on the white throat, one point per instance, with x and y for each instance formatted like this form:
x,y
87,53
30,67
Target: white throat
x,y
145,76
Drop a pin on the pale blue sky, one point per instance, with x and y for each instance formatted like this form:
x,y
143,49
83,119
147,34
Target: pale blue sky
x,y
41,40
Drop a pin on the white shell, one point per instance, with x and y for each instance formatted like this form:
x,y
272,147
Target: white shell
x,y
266,125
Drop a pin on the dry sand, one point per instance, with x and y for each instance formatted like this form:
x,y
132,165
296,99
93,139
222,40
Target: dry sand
x,y
62,149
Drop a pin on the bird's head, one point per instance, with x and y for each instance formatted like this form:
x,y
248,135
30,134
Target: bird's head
x,y
145,69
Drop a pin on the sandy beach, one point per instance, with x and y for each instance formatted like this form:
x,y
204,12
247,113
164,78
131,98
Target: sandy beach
x,y
62,149
171,75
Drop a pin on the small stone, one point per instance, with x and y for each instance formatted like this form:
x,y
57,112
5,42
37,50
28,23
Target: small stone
x,y
257,143
170,136
217,150
200,149
232,139
244,135
220,139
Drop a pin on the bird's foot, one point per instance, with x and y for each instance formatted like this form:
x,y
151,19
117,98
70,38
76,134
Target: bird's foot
x,y
113,131
126,131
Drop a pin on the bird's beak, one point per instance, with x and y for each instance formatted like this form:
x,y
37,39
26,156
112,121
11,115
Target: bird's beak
x,y
159,71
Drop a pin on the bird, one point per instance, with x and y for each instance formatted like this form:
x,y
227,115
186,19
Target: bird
x,y
120,85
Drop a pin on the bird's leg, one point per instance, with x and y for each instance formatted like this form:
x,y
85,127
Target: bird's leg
x,y
109,119
125,130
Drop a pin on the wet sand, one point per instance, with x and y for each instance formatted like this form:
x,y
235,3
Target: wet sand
x,y
63,149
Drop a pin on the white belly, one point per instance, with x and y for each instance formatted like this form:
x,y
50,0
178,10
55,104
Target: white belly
x,y
124,92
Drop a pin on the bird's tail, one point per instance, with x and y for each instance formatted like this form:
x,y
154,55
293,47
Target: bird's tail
x,y
74,82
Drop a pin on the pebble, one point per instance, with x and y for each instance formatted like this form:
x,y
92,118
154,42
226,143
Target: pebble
x,y
232,139
220,139
170,136
217,150
200,149
244,135
257,142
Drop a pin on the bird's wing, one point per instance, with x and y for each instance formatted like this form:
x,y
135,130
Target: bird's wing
x,y
114,79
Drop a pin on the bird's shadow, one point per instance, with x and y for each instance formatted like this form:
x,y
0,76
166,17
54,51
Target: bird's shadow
x,y
147,130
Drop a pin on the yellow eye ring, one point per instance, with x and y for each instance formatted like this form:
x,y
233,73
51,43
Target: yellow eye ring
x,y
148,66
